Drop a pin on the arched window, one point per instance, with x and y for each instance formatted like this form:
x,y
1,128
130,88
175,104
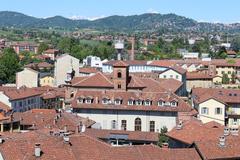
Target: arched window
x,y
114,124
119,74
124,125
138,124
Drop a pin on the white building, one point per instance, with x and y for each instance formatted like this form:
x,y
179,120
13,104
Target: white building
x,y
123,101
28,77
63,65
135,66
92,61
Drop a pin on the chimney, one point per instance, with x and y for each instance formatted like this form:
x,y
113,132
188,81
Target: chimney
x,y
37,151
77,129
222,141
83,129
180,125
234,131
226,131
1,139
65,128
66,137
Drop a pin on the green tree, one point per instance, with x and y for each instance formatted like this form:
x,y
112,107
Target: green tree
x,y
10,65
42,47
225,79
233,78
162,136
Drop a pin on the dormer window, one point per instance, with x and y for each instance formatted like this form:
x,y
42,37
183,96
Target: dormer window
x,y
81,100
130,102
161,103
138,102
105,101
88,100
147,102
173,103
118,101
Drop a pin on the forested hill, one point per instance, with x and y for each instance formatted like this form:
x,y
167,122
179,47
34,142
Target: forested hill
x,y
145,22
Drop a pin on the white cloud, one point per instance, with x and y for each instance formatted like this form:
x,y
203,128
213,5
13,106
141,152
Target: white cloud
x,y
151,10
77,17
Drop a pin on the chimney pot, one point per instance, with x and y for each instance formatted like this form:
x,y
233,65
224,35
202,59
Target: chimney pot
x,y
222,141
37,151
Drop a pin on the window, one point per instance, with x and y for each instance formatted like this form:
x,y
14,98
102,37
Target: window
x,y
204,110
147,103
229,72
88,100
164,76
114,124
174,103
218,110
130,102
124,125
171,76
160,103
117,101
138,102
119,86
152,126
105,101
223,72
177,76
80,100
72,95
119,74
138,124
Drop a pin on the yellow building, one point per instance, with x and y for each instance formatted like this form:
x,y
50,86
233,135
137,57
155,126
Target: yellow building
x,y
47,80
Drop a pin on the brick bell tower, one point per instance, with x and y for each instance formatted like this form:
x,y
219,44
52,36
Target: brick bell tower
x,y
120,75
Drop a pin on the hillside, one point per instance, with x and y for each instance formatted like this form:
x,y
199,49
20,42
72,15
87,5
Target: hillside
x,y
145,22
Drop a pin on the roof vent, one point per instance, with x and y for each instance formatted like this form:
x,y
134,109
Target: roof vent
x,y
222,141
37,151
180,125
66,137
226,131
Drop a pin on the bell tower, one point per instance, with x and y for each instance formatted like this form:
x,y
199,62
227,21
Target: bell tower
x,y
120,75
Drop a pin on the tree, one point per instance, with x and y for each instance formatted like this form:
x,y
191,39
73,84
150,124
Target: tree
x,y
9,65
233,78
42,47
225,79
162,136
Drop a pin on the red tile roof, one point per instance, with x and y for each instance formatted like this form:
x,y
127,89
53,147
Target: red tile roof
x,y
97,80
126,95
18,146
51,51
195,130
44,118
120,64
132,135
88,70
199,75
220,94
15,94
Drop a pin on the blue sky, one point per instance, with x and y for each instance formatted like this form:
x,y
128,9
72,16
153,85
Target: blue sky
x,y
226,11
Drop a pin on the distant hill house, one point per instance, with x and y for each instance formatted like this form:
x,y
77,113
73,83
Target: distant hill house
x,y
25,46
